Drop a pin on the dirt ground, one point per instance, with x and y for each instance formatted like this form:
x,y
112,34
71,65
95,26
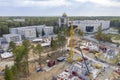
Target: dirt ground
x,y
60,67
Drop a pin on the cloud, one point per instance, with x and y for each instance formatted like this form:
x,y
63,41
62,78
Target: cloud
x,y
35,3
57,7
105,3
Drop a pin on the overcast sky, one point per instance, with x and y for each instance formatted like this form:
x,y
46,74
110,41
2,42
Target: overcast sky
x,y
58,7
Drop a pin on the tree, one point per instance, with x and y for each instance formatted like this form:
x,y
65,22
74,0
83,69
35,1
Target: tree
x,y
0,47
37,33
38,50
53,44
61,40
15,72
26,44
99,33
119,30
8,74
43,33
81,33
19,60
12,45
66,31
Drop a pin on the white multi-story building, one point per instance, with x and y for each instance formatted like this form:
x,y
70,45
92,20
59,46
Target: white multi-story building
x,y
25,32
12,37
39,29
91,26
48,30
13,30
29,32
63,20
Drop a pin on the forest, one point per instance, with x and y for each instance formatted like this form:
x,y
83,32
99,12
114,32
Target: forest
x,y
8,22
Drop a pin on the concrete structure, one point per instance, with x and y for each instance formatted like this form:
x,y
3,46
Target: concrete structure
x,y
40,28
27,33
91,26
48,30
64,20
12,37
30,32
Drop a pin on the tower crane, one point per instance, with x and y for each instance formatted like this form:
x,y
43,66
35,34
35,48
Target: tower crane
x,y
70,59
71,43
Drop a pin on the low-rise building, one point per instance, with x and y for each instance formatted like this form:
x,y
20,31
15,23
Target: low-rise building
x,y
19,19
12,37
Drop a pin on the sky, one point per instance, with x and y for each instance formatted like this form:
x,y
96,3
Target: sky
x,y
58,7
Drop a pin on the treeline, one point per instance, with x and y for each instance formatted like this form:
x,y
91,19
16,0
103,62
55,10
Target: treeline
x,y
7,22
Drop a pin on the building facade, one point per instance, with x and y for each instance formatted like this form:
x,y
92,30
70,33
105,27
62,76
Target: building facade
x,y
64,20
30,32
48,30
91,26
12,37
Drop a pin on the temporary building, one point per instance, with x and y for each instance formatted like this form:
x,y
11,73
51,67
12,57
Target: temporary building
x,y
6,55
37,40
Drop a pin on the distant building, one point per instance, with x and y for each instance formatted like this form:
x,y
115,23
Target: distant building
x,y
12,37
48,30
30,32
2,40
13,30
91,26
63,21
39,28
27,33
19,20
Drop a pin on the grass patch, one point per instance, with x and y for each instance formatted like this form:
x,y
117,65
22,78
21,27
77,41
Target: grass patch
x,y
115,36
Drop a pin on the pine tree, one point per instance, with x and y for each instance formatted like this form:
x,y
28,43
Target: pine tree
x,y
38,49
12,45
8,74
99,34
43,33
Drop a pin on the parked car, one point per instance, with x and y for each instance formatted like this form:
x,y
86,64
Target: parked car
x,y
51,63
60,59
87,49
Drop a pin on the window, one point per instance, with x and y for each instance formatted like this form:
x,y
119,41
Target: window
x,y
89,28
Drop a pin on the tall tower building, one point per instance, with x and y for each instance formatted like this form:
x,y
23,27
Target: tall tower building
x,y
63,21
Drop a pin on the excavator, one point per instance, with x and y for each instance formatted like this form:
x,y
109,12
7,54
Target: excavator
x,y
70,59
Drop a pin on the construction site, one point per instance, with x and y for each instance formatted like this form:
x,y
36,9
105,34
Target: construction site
x,y
79,59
